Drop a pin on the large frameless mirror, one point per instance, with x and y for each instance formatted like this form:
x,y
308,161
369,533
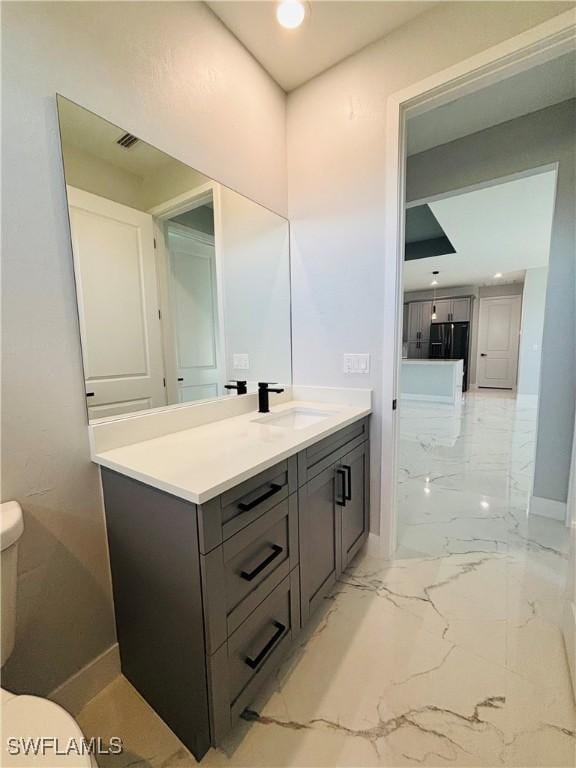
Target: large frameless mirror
x,y
183,285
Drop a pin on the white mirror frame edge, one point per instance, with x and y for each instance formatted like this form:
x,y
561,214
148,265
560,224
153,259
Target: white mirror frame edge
x,y
542,43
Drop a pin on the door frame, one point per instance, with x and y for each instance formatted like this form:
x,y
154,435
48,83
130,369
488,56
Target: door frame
x,y
542,43
183,203
518,298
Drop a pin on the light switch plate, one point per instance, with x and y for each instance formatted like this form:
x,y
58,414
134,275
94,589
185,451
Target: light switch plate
x,y
240,362
356,363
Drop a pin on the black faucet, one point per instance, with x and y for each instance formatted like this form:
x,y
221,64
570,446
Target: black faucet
x,y
239,386
263,390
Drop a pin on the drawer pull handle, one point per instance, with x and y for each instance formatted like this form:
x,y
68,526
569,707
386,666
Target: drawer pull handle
x,y
254,662
342,473
251,575
247,506
348,493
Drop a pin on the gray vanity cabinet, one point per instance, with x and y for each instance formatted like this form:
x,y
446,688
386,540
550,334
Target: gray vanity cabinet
x,y
209,598
355,513
333,510
320,537
155,563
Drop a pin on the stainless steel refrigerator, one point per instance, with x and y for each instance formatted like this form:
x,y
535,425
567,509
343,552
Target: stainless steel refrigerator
x,y
450,341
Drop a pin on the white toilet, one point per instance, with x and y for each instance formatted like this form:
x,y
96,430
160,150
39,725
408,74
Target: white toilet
x,y
26,719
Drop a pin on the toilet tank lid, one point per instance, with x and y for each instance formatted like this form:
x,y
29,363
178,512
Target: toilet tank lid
x,y
11,523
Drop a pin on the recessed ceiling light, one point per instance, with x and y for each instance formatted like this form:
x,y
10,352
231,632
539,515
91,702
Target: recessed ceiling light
x,y
498,274
290,13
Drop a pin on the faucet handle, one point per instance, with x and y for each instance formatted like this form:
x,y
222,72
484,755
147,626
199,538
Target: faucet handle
x,y
239,385
265,384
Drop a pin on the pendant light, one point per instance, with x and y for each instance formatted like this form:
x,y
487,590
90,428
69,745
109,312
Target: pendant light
x,y
434,283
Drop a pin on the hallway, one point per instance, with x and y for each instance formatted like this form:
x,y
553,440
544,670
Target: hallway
x,y
450,655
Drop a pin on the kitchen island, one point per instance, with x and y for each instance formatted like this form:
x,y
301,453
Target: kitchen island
x,y
438,381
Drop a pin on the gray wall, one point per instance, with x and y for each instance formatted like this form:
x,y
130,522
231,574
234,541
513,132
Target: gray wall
x,y
537,139
172,74
533,313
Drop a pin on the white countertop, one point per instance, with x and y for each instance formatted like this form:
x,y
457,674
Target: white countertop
x,y
200,463
431,361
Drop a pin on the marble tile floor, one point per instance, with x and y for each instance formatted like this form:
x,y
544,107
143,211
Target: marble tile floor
x,y
449,655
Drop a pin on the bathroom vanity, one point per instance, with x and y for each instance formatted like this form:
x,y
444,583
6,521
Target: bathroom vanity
x,y
229,518
216,569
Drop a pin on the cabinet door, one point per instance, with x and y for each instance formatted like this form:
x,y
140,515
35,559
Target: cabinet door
x,y
460,310
356,509
414,350
443,310
320,536
425,320
413,321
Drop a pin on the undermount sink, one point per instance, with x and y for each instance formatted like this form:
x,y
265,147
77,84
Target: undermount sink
x,y
295,418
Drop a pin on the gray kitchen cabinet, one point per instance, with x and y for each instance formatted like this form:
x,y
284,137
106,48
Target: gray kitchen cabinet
x,y
418,335
443,310
460,310
210,598
452,310
419,318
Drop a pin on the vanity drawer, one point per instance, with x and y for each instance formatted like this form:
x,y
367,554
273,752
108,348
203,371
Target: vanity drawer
x,y
238,575
224,516
252,653
319,456
246,502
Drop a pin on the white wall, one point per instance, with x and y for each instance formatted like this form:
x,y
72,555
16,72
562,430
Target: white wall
x,y
171,73
92,174
253,244
337,175
532,324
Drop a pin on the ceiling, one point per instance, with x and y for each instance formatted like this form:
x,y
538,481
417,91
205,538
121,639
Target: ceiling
x,y
502,228
87,131
330,32
521,94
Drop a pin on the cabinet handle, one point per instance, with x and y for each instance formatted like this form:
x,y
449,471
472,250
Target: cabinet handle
x,y
340,472
247,506
251,575
348,493
254,662
180,378
90,394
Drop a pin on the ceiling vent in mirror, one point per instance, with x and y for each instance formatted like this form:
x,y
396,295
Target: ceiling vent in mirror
x,y
127,140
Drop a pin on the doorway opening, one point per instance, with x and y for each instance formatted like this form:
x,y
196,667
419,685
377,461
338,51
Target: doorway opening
x,y
474,307
190,298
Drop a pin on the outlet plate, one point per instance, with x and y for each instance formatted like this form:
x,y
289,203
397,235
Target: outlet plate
x,y
240,362
356,363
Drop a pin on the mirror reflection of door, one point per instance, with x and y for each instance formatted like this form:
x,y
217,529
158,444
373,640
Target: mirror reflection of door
x,y
182,284
113,247
194,306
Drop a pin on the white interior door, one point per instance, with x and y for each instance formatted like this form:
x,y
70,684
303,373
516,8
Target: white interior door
x,y
194,303
113,247
498,337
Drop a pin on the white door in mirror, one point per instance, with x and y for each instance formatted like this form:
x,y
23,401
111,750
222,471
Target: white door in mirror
x,y
194,307
113,248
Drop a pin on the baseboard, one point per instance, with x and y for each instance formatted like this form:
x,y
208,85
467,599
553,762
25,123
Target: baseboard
x,y
569,632
75,692
556,510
